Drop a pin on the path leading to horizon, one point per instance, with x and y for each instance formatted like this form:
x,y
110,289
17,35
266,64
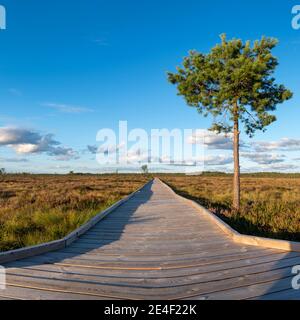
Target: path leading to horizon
x,y
154,246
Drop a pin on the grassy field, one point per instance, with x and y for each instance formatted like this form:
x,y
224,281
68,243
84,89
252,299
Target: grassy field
x,y
270,202
40,208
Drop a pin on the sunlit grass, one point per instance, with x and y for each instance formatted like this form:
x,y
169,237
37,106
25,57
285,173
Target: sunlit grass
x,y
37,209
270,204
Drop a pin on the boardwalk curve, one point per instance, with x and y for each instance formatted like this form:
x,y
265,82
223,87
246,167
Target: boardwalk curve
x,y
154,246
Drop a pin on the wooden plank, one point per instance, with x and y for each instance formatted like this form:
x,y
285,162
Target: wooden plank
x,y
83,288
201,268
6,298
214,251
245,258
290,294
177,275
99,246
142,253
249,291
164,280
20,293
57,290
144,291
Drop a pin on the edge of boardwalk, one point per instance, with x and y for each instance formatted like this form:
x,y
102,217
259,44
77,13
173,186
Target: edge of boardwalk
x,y
27,252
236,236
13,255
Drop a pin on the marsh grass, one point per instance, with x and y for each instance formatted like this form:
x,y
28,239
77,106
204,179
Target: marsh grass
x,y
270,204
40,208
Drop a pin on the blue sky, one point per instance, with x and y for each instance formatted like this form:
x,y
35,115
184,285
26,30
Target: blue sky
x,y
70,69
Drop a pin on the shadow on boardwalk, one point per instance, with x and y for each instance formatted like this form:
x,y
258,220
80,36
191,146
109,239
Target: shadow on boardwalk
x,y
107,231
238,222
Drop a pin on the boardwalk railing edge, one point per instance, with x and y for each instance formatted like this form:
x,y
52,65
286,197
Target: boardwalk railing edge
x,y
236,236
13,255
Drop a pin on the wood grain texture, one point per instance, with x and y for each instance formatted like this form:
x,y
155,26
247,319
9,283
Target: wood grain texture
x,y
154,246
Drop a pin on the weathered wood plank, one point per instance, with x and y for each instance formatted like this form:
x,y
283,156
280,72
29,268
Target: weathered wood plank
x,y
165,280
291,294
144,291
247,292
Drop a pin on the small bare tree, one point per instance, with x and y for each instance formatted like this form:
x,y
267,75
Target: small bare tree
x,y
145,169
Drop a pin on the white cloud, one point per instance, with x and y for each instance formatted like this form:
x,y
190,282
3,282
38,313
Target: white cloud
x,y
14,160
284,144
92,149
110,149
283,167
101,42
264,158
212,140
208,160
25,148
218,160
65,108
135,156
13,136
15,92
277,167
25,141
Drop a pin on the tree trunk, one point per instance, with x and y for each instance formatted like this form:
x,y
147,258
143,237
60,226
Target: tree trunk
x,y
236,153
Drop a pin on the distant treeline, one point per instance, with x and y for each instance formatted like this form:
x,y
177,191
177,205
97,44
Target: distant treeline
x,y
205,173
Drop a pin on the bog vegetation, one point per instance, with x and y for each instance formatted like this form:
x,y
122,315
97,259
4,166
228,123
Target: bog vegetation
x,y
270,203
40,208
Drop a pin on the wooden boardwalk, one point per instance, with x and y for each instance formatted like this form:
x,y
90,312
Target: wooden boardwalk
x,y
154,246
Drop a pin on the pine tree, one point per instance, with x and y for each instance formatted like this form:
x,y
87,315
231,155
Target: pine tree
x,y
234,83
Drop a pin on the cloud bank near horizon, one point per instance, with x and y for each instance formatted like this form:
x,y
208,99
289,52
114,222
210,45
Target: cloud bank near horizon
x,y
259,155
28,142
